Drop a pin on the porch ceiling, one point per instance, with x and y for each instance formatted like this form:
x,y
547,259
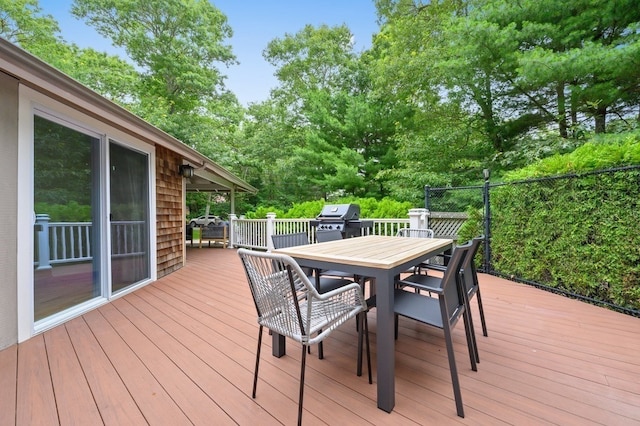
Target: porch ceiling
x,y
205,179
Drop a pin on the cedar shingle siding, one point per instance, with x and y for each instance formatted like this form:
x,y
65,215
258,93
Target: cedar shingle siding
x,y
170,223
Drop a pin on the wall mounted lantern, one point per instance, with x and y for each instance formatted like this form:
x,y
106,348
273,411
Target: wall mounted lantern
x,y
186,171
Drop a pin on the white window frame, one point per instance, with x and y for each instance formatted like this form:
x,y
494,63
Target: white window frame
x,y
30,103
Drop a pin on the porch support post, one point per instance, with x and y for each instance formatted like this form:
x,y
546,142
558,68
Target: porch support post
x,y
232,228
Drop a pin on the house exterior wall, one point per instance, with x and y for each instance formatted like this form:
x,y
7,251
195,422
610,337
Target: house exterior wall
x,y
9,210
169,212
29,86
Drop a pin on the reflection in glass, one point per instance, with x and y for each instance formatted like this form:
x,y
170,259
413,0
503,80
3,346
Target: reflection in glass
x,y
129,196
66,182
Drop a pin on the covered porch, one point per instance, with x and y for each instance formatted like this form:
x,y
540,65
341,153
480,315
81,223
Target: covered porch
x,y
182,351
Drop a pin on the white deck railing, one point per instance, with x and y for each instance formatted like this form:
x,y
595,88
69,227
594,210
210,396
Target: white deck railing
x,y
64,242
256,233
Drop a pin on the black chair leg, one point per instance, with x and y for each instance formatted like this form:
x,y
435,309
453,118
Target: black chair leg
x,y
471,333
484,324
364,329
359,327
302,367
471,340
454,371
366,336
468,325
255,374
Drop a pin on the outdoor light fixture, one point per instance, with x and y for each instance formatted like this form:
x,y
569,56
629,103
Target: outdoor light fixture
x,y
485,173
186,170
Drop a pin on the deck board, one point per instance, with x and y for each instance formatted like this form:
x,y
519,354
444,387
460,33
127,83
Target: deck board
x,y
182,351
8,372
111,396
153,400
73,396
35,401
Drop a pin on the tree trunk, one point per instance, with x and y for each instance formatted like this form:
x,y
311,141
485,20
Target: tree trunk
x,y
574,112
562,110
601,117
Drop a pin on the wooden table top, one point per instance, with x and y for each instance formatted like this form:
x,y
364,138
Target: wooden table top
x,y
373,251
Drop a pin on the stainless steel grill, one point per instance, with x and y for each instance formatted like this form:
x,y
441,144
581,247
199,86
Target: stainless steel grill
x,y
341,217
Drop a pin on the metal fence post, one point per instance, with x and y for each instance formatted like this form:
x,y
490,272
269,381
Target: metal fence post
x,y
427,197
487,222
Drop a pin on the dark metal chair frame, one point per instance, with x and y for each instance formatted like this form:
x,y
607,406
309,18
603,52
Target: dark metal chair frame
x,y
442,312
470,274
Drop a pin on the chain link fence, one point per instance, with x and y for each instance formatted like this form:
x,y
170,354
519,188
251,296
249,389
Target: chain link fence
x,y
573,234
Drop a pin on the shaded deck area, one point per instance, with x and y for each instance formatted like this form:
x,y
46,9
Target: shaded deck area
x,y
182,351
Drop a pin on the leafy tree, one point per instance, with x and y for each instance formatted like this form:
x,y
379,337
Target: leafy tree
x,y
439,142
22,23
177,45
577,59
344,127
498,84
178,48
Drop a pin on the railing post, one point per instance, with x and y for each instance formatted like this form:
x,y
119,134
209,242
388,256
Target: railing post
x,y
232,228
271,219
487,222
44,256
418,218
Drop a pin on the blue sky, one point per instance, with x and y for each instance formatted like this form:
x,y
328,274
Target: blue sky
x,y
254,23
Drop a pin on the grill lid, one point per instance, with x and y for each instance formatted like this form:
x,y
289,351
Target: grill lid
x,y
340,211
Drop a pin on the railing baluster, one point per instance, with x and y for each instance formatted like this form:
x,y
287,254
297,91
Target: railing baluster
x,y
127,236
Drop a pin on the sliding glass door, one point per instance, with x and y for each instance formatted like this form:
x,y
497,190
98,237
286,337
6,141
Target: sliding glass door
x,y
66,217
129,216
91,217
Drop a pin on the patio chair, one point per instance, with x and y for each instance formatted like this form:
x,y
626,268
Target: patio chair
x,y
442,312
470,279
470,275
332,235
416,233
469,282
323,284
288,304
189,233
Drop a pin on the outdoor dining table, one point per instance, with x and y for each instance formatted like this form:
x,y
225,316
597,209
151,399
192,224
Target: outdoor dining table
x,y
379,257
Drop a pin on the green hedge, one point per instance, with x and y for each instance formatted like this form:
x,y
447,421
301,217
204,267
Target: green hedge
x,y
574,233
370,208
71,212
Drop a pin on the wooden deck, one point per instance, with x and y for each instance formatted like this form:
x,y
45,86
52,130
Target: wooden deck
x,y
181,351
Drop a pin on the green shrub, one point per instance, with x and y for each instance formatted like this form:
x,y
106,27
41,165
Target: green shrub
x,y
71,212
602,152
369,208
